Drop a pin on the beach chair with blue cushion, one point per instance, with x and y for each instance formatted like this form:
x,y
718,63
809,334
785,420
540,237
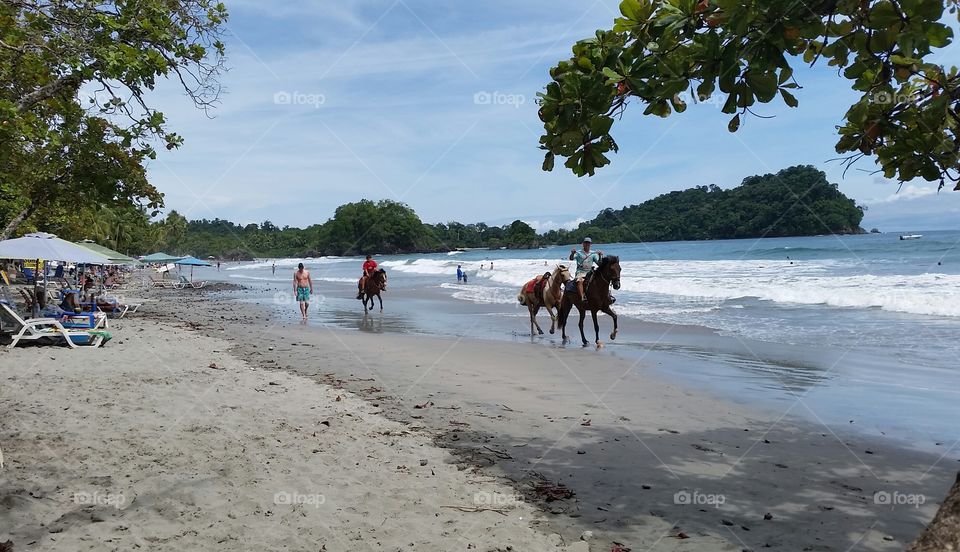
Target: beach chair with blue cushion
x,y
37,329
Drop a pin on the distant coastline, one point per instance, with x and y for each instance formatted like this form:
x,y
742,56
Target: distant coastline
x,y
796,202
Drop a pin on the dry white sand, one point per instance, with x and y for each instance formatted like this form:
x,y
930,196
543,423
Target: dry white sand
x,y
164,441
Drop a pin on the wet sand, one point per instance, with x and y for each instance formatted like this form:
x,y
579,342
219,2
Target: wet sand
x,y
583,442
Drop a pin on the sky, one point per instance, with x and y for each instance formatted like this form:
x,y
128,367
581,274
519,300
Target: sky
x,y
433,103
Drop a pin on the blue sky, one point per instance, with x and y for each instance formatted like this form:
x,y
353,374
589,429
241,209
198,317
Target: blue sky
x,y
433,103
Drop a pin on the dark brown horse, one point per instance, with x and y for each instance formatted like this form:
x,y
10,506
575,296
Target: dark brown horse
x,y
375,283
597,289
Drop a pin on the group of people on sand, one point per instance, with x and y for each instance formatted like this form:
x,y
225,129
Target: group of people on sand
x,y
303,284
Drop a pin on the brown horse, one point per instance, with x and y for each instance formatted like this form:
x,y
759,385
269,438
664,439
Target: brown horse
x,y
545,295
375,283
597,290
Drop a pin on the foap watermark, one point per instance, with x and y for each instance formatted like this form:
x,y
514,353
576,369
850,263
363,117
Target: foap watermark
x,y
299,98
896,498
499,98
497,500
97,498
696,498
284,498
286,298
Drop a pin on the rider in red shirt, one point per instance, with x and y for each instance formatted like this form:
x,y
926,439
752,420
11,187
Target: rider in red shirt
x,y
369,267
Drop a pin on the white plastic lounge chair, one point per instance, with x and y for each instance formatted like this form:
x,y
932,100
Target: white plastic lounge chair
x,y
161,283
184,283
32,329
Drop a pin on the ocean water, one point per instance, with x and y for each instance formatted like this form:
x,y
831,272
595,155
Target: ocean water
x,y
849,325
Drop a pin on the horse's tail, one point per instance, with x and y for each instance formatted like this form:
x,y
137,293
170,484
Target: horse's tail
x,y
522,298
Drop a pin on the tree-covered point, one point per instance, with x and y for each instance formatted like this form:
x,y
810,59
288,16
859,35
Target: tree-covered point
x,y
798,201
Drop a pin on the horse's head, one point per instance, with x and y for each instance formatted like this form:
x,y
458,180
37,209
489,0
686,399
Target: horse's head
x,y
562,272
610,269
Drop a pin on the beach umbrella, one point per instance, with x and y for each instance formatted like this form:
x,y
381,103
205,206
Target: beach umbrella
x,y
42,246
160,257
115,256
191,262
48,247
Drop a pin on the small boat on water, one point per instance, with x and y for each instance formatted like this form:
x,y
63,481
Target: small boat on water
x,y
911,236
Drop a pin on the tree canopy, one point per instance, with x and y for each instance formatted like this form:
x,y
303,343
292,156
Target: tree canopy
x,y
744,50
75,120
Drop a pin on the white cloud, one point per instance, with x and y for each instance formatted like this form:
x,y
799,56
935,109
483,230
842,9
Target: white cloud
x,y
907,193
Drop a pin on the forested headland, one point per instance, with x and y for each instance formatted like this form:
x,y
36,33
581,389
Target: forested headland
x,y
798,201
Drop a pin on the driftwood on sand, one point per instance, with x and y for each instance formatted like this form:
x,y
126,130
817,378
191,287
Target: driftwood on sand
x,y
943,533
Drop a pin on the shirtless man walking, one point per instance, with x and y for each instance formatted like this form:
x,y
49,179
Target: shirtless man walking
x,y
302,288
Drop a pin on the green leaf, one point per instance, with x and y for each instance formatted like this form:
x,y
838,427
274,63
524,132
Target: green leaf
x,y
734,124
548,161
788,98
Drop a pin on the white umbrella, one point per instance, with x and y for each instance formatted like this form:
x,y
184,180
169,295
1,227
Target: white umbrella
x,y
48,247
42,246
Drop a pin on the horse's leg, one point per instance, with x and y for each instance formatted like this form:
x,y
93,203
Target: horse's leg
x,y
583,313
613,315
380,299
553,317
596,327
562,312
533,318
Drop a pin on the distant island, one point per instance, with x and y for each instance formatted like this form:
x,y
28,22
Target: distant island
x,y
798,201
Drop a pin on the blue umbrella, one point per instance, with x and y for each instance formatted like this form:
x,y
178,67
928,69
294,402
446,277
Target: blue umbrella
x,y
191,262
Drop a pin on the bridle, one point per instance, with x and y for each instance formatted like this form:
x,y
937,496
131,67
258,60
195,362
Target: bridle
x,y
602,273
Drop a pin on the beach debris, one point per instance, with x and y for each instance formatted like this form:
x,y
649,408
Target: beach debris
x,y
585,423
456,423
781,466
6,546
669,430
424,405
619,547
326,423
682,535
505,407
499,453
581,452
423,462
501,511
768,516
705,449
646,487
726,522
550,492
214,366
586,535
338,399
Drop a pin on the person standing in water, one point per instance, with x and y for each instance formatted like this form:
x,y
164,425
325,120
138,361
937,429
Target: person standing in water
x,y
302,288
274,269
459,273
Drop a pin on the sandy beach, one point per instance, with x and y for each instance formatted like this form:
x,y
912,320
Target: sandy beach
x,y
209,424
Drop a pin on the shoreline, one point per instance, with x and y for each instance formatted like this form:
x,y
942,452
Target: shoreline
x,y
672,438
764,375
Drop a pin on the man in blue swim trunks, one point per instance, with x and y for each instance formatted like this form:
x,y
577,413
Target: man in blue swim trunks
x,y
302,288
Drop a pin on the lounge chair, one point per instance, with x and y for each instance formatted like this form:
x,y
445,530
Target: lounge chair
x,y
162,283
34,329
185,283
